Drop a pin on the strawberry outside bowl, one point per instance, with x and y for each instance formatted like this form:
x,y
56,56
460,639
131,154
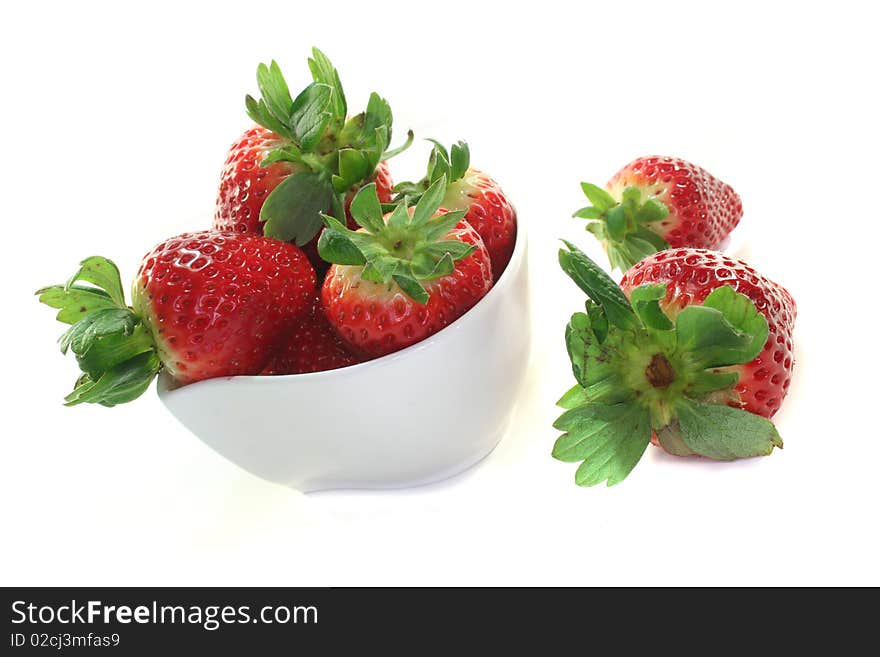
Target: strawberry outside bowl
x,y
419,415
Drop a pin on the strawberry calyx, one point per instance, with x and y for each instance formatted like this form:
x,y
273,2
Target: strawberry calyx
x,y
623,226
453,164
113,347
407,247
331,153
640,370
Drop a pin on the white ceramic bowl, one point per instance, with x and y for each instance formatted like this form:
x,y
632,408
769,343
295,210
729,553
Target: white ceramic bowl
x,y
416,416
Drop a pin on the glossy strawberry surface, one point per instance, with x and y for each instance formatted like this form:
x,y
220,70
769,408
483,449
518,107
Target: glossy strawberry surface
x,y
375,319
690,275
216,303
702,209
244,185
312,346
489,212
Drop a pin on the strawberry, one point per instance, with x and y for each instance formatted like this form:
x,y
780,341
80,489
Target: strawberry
x,y
312,346
655,203
244,184
486,207
690,276
303,157
204,305
403,276
694,348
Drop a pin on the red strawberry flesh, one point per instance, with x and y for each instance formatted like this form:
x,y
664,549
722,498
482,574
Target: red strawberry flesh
x,y
702,209
312,346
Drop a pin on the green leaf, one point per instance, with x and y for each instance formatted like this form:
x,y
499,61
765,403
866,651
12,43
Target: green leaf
x,y
709,339
366,210
74,302
286,153
598,320
293,210
337,248
598,196
615,223
443,267
652,210
409,189
651,237
412,288
637,249
380,269
574,396
709,381
94,326
274,91
107,351
114,350
597,285
460,160
399,217
589,212
354,168
645,300
259,113
101,272
578,338
669,438
739,310
439,149
438,163
376,130
388,154
118,385
378,113
457,250
324,73
631,197
725,433
595,364
609,439
309,116
439,226
619,257
429,203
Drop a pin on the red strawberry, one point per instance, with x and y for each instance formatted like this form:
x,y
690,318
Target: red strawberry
x,y
244,184
303,158
402,277
690,275
486,207
698,351
655,203
312,346
204,305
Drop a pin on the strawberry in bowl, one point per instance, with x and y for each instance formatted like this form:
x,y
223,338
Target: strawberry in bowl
x,y
304,156
206,304
485,206
402,276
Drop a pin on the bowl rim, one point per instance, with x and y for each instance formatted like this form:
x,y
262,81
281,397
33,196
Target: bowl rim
x,y
167,385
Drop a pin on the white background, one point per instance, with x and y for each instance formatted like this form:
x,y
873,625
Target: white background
x,y
114,127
